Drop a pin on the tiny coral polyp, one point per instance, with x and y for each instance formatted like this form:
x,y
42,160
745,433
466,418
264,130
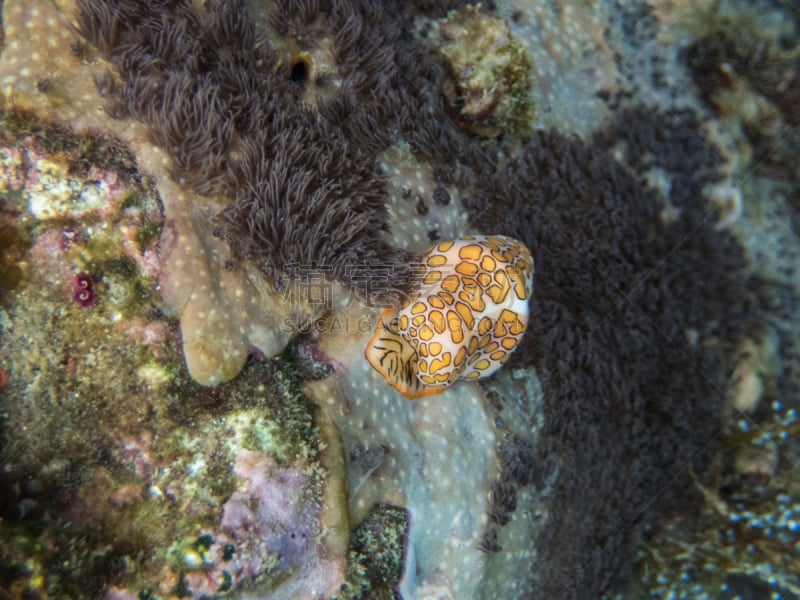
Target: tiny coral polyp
x,y
463,321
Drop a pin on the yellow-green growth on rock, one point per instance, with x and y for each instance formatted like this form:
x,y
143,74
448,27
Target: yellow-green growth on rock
x,y
488,83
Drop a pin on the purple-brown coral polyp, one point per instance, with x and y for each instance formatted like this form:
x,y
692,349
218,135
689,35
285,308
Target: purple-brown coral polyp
x,y
84,290
70,236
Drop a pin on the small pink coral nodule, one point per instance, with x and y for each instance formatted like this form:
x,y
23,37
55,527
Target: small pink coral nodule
x,y
84,290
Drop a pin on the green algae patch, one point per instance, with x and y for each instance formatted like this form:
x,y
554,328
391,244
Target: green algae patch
x,y
13,246
487,90
377,552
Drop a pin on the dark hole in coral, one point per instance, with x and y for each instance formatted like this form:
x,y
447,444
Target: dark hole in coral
x,y
441,195
725,491
489,543
11,277
300,71
322,81
105,83
77,48
740,585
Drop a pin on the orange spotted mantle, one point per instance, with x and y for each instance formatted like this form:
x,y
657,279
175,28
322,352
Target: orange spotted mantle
x,y
464,320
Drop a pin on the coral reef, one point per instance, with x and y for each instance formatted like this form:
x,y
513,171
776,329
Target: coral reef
x,y
93,428
206,207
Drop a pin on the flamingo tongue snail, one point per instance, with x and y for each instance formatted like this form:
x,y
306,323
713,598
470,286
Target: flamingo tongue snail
x,y
463,321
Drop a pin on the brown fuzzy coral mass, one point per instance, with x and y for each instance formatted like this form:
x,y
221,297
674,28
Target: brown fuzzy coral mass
x,y
306,186
306,183
631,321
